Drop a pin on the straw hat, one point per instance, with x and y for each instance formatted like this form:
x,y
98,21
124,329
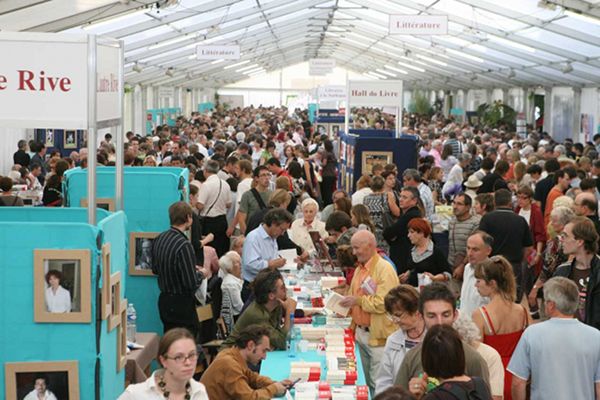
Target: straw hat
x,y
473,182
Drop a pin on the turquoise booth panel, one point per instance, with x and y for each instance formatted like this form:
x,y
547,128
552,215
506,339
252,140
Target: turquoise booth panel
x,y
48,214
148,193
114,231
22,339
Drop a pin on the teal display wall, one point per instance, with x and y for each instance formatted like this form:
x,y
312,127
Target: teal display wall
x,y
22,230
148,193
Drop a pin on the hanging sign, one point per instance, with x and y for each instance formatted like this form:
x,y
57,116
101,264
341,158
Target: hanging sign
x,y
37,87
418,25
321,63
218,52
384,93
108,90
331,92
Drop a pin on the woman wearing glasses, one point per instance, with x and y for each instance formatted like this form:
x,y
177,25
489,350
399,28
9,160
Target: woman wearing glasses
x,y
177,353
402,308
502,321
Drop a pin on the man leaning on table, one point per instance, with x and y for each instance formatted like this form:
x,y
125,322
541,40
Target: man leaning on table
x,y
372,280
271,307
228,376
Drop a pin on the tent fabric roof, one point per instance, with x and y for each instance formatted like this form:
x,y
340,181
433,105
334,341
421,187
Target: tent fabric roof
x,y
489,44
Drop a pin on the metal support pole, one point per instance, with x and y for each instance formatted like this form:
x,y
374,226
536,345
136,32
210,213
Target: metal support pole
x,y
92,133
119,168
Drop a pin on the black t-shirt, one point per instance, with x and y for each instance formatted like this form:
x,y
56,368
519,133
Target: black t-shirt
x,y
542,188
510,231
456,390
492,182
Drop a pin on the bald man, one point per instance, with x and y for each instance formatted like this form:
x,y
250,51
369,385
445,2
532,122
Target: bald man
x,y
586,205
372,280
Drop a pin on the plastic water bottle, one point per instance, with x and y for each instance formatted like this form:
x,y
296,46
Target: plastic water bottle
x,y
131,320
289,340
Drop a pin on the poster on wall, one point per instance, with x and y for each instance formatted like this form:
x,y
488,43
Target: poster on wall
x,y
372,158
49,141
70,140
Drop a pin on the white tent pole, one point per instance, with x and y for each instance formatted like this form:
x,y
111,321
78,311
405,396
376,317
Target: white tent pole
x,y
92,133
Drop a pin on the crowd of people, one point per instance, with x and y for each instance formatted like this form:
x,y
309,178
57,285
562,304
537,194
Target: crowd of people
x,y
472,274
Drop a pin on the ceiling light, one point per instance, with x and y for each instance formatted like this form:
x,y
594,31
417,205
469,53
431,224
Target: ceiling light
x,y
136,67
409,66
169,72
582,17
386,72
368,75
377,75
236,64
167,42
468,56
508,42
247,67
216,61
399,70
433,60
251,71
567,68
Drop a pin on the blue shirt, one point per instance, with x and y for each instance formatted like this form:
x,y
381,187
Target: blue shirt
x,y
562,356
259,249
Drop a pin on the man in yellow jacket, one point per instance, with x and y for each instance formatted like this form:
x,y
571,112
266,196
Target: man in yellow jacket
x,y
372,280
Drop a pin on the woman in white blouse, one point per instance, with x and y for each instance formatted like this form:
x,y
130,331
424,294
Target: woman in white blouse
x,y
231,266
177,353
299,231
58,299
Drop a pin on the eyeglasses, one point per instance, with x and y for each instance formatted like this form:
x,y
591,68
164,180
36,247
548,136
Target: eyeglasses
x,y
180,358
395,318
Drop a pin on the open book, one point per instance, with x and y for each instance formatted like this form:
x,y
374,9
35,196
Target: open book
x,y
332,303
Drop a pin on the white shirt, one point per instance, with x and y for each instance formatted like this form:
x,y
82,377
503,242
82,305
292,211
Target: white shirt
x,y
233,285
149,390
299,233
59,302
455,178
359,196
208,194
470,299
48,395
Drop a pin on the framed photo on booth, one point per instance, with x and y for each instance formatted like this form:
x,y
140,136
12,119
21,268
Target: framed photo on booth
x,y
122,337
104,203
114,318
59,378
49,138
106,299
140,252
372,158
70,139
61,280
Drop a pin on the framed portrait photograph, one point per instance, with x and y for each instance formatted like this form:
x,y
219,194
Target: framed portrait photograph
x,y
322,129
106,298
61,280
371,158
42,380
140,252
335,130
49,138
70,139
115,301
104,203
122,338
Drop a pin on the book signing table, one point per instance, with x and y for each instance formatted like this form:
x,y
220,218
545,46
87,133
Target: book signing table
x,y
322,352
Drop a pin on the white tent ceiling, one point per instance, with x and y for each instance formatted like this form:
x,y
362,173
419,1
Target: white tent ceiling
x,y
499,44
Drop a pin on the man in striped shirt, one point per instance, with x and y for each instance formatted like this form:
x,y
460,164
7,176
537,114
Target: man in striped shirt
x,y
174,262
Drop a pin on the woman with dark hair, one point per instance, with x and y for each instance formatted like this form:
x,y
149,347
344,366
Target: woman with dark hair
x,y
328,173
426,259
58,299
448,160
502,321
177,354
443,358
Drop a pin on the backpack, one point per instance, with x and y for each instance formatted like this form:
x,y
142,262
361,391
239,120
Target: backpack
x,y
459,392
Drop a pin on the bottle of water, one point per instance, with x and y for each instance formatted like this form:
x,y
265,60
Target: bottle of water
x,y
289,340
131,320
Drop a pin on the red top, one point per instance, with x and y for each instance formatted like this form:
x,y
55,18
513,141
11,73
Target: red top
x,y
505,344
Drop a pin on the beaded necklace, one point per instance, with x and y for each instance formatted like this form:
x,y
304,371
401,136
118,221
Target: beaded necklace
x,y
163,388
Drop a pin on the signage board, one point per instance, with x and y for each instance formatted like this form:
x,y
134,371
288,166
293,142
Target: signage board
x,y
418,25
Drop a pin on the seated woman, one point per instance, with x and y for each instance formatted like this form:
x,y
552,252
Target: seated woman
x,y
6,198
231,287
58,299
443,358
177,354
402,307
426,258
299,231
